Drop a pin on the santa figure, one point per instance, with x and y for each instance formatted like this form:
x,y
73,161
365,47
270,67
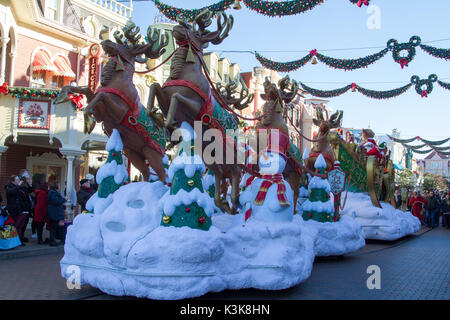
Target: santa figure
x,y
369,145
269,197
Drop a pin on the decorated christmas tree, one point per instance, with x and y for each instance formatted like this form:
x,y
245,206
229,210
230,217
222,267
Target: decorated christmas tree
x,y
110,177
186,203
319,206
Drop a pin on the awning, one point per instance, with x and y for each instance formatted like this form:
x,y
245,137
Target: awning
x,y
43,62
63,66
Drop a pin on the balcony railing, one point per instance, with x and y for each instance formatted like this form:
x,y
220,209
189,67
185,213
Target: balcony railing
x,y
115,7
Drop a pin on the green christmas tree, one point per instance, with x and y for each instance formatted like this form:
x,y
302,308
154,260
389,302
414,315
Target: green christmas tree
x,y
319,206
110,177
187,204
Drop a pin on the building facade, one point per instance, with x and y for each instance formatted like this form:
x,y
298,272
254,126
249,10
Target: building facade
x,y
45,45
436,164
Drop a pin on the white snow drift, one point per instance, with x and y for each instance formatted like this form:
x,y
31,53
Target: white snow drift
x,y
386,223
125,251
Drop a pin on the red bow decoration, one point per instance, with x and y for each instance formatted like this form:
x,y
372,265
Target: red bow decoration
x,y
361,2
4,88
313,52
77,99
403,62
424,94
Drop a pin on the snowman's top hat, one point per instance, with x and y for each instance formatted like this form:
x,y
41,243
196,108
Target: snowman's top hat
x,y
278,143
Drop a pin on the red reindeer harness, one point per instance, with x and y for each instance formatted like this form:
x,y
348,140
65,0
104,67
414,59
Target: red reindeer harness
x,y
130,120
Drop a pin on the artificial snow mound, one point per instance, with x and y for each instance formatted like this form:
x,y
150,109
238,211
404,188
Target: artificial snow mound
x,y
386,223
337,238
125,251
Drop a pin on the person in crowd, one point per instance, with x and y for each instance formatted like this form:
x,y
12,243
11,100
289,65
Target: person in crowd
x,y
26,199
438,207
55,213
13,203
91,178
430,209
40,211
417,204
445,209
408,203
84,193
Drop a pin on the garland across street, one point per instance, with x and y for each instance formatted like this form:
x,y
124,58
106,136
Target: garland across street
x,y
432,145
402,53
267,8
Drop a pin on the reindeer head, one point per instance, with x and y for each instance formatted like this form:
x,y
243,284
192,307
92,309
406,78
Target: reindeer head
x,y
131,49
325,125
197,33
283,94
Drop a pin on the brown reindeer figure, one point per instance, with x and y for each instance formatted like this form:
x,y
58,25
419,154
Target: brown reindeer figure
x,y
188,96
116,102
272,118
322,146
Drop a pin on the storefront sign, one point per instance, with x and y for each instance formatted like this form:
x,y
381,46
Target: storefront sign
x,y
34,114
94,53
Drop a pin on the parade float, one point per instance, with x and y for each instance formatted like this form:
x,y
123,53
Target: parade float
x,y
159,239
194,225
370,188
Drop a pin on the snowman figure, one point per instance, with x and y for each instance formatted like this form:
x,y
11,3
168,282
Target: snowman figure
x,y
269,197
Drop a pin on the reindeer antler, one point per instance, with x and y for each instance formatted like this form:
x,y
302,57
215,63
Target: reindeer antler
x,y
290,94
155,45
335,119
118,36
230,89
203,20
132,34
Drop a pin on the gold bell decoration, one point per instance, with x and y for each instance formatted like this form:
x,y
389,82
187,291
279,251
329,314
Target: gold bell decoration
x,y
166,219
119,66
237,5
314,60
190,58
190,182
278,107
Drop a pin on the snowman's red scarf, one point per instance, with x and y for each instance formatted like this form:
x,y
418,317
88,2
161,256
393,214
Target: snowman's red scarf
x,y
269,180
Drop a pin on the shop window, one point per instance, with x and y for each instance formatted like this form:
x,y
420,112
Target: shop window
x,y
57,82
38,79
53,9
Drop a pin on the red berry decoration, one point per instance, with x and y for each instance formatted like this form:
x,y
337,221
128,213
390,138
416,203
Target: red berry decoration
x,y
310,215
169,184
188,209
114,154
201,220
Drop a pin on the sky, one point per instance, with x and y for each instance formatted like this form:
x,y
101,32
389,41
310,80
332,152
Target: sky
x,y
338,24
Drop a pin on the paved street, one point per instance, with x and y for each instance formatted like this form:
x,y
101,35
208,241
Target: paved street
x,y
417,267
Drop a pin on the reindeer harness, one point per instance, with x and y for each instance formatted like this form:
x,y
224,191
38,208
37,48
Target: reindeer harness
x,y
137,120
